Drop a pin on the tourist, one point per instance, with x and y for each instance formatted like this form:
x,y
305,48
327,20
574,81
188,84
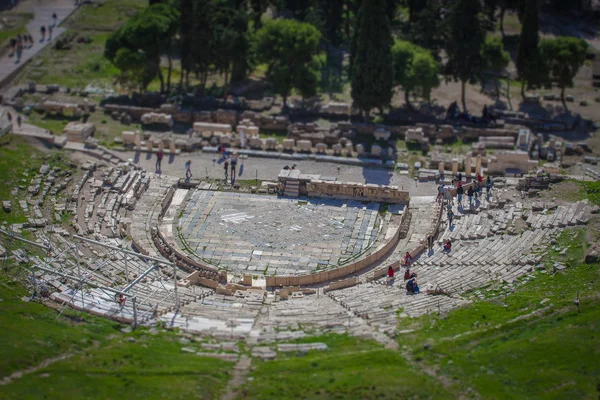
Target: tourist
x,y
19,52
9,115
188,170
19,121
459,193
479,178
459,178
408,275
488,187
470,192
430,243
407,259
226,167
234,160
121,300
450,217
440,195
43,33
448,196
159,157
447,246
412,287
13,47
390,275
54,18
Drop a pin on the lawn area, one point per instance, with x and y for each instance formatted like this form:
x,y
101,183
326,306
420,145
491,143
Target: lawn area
x,y
19,162
349,369
104,362
83,63
493,348
12,25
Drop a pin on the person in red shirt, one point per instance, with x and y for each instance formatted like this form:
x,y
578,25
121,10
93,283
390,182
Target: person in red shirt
x,y
390,274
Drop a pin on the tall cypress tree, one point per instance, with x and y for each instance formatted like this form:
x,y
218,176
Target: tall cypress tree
x,y
466,35
372,66
527,54
186,25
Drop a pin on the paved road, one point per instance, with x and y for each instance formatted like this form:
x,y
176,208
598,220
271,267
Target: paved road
x,y
204,164
42,16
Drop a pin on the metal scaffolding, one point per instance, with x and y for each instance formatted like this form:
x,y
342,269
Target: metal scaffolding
x,y
56,262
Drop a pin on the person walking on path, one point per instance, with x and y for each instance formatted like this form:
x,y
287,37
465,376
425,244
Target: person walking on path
x,y
159,157
430,243
440,196
226,167
450,217
448,196
459,193
19,121
459,177
470,192
54,18
188,170
43,33
488,187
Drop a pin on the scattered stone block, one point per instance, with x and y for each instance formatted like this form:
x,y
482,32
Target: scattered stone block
x,y
6,206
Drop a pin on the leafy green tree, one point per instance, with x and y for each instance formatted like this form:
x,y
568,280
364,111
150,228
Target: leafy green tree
x,y
147,33
495,59
372,67
186,27
528,62
466,35
415,69
427,29
562,58
288,47
132,65
203,41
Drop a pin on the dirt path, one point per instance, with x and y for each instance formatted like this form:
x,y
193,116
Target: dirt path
x,y
18,374
238,378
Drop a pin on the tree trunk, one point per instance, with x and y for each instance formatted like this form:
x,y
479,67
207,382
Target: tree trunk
x,y
407,100
502,10
523,89
161,79
562,98
170,67
284,102
226,84
464,102
497,84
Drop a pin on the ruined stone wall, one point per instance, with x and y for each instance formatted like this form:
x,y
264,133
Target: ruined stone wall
x,y
357,191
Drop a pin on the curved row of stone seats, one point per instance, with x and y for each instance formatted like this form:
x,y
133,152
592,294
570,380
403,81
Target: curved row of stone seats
x,y
379,303
147,211
310,312
217,315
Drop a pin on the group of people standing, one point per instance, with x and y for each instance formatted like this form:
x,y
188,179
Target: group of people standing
x,y
25,41
231,160
474,191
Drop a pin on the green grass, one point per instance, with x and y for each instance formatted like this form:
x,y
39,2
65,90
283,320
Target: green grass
x,y
17,158
13,24
83,63
553,354
349,369
104,363
269,133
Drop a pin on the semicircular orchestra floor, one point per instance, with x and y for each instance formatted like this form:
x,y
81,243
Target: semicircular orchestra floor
x,y
260,234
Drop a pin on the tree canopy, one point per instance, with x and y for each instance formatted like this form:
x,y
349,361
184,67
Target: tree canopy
x,y
415,69
495,59
466,35
528,61
562,57
372,67
288,47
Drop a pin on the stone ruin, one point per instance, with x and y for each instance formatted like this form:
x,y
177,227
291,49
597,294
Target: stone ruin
x,y
152,118
79,132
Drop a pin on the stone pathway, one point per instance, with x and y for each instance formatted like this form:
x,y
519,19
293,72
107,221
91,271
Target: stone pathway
x,y
238,378
42,17
204,164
